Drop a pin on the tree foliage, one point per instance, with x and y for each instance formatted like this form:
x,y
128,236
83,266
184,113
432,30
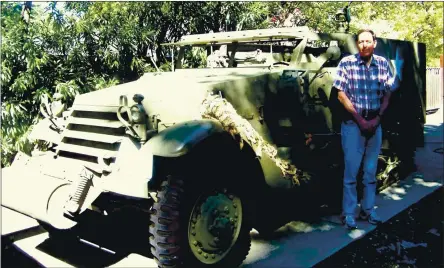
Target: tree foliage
x,y
76,47
411,21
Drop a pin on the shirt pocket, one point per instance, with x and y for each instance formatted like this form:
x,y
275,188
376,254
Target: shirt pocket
x,y
377,86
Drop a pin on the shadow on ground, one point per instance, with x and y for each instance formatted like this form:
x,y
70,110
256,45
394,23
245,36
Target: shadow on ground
x,y
101,241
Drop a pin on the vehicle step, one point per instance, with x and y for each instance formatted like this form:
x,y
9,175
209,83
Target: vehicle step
x,y
91,136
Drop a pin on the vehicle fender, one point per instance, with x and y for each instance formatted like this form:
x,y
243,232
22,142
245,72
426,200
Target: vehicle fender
x,y
179,139
146,166
43,131
193,143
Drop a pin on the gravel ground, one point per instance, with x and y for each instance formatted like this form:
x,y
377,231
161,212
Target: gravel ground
x,y
413,238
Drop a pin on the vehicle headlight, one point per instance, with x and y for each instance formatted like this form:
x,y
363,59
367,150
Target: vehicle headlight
x,y
137,115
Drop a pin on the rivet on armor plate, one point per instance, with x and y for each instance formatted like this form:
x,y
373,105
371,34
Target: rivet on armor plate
x,y
234,205
231,196
213,256
206,255
216,239
226,209
199,251
195,242
193,233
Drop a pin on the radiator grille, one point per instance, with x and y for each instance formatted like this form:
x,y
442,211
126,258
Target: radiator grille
x,y
93,137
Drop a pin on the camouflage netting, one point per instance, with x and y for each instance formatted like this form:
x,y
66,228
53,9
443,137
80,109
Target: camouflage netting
x,y
388,171
218,108
391,165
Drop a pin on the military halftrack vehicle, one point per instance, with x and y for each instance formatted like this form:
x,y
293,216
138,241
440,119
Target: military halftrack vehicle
x,y
207,154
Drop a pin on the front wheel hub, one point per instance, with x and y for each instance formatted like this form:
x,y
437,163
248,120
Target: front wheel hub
x,y
214,225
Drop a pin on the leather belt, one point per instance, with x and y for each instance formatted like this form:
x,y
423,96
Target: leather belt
x,y
369,114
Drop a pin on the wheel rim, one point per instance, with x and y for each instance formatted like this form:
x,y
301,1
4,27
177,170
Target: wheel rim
x,y
214,225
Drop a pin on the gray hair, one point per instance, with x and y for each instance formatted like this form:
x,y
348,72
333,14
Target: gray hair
x,y
366,31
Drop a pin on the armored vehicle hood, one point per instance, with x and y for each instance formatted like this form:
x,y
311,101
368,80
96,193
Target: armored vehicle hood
x,y
172,96
166,85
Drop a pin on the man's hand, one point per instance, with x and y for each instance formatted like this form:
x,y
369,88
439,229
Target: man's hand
x,y
374,123
363,124
369,127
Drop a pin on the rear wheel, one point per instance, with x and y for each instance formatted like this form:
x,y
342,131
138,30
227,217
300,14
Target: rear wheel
x,y
207,227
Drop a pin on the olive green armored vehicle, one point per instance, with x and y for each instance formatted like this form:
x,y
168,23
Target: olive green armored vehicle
x,y
206,155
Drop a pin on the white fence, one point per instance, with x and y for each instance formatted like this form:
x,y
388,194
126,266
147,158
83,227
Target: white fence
x,y
434,88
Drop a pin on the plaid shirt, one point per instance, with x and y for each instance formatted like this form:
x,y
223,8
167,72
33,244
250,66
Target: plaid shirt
x,y
364,86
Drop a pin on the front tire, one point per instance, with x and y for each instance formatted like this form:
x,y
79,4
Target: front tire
x,y
198,226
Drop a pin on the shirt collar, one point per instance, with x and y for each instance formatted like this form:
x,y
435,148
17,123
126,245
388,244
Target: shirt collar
x,y
361,61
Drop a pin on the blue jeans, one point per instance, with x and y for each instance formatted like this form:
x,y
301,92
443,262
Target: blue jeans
x,y
358,148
